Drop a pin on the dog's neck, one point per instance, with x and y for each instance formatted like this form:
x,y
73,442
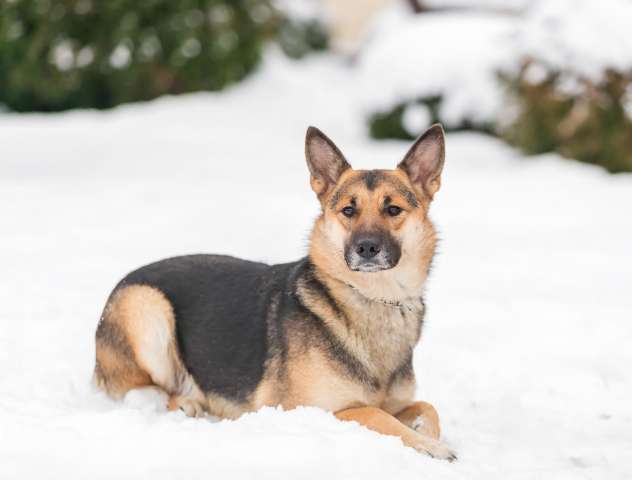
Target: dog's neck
x,y
362,323
403,303
393,296
367,308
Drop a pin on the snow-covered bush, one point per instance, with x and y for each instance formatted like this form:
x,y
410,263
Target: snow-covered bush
x,y
58,54
572,88
435,67
498,5
553,76
591,122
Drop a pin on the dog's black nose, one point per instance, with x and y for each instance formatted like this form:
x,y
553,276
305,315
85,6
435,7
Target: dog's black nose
x,y
368,248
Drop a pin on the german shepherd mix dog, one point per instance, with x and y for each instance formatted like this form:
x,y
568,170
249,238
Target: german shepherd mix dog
x,y
335,330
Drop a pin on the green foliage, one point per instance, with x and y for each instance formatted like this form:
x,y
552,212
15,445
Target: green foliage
x,y
298,38
61,54
390,123
589,124
587,121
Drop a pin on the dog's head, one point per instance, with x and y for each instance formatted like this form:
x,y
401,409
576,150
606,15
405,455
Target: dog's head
x,y
374,219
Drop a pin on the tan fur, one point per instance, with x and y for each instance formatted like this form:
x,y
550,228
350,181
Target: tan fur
x,y
400,395
223,408
379,421
421,417
268,393
145,319
313,380
116,372
369,323
413,229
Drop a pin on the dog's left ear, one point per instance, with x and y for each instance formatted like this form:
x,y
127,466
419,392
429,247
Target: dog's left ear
x,y
424,161
325,162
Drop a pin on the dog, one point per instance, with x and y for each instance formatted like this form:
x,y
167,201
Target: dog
x,y
335,330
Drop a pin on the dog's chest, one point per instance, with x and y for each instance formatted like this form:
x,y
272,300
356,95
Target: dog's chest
x,y
357,348
377,344
385,335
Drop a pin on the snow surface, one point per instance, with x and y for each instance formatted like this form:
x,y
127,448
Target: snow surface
x,y
526,350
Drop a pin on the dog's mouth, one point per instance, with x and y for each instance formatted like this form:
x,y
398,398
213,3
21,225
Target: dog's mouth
x,y
356,265
369,267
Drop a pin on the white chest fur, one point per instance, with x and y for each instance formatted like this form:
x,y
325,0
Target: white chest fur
x,y
382,334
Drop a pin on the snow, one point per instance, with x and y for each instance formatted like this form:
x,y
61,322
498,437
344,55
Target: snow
x,y
301,9
459,53
583,38
502,5
416,118
456,55
525,352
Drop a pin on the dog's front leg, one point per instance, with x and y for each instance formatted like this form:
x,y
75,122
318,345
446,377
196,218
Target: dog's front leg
x,y
421,417
382,422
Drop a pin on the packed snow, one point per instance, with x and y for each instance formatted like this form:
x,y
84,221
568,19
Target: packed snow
x,y
526,349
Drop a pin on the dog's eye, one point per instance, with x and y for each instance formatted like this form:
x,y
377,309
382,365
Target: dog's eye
x,y
348,211
393,210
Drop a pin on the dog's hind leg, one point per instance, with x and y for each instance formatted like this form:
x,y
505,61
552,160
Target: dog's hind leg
x,y
382,422
136,346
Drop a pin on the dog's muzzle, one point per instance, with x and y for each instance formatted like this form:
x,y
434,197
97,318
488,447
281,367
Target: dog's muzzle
x,y
372,252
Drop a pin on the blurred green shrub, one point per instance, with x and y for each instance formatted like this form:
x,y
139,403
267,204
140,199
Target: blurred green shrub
x,y
549,112
299,37
588,121
393,123
62,54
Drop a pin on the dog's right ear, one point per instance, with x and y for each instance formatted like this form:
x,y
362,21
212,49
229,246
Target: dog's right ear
x,y
325,161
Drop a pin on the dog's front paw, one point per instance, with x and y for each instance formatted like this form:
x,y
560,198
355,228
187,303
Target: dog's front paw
x,y
436,449
427,426
418,424
190,407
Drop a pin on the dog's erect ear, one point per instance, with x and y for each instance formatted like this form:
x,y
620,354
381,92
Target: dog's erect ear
x,y
424,161
325,162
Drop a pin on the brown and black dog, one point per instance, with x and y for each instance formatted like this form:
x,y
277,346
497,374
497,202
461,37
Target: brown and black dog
x,y
335,330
